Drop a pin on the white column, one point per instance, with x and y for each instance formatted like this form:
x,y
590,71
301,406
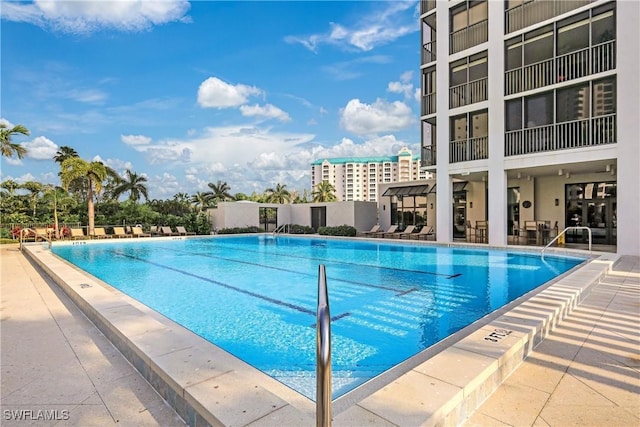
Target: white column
x,y
444,196
497,181
628,93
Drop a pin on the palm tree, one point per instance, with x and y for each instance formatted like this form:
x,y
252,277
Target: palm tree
x,y
324,192
11,186
57,197
64,153
34,188
134,184
8,148
200,201
219,192
93,174
278,195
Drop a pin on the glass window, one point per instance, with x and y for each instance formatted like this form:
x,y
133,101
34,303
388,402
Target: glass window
x,y
604,97
574,36
603,27
513,111
459,19
459,128
458,73
572,103
538,48
513,54
538,110
478,68
429,81
479,124
477,12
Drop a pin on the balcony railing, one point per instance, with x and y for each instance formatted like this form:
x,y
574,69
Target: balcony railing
x,y
468,93
468,37
427,5
532,12
465,150
570,66
429,52
562,136
429,104
428,156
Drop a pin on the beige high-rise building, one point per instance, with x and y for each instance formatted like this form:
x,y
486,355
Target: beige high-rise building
x,y
358,178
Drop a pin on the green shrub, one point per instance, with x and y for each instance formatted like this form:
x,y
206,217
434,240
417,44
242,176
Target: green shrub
x,y
239,230
341,230
300,229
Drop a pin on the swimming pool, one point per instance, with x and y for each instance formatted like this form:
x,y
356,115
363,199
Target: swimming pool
x,y
255,296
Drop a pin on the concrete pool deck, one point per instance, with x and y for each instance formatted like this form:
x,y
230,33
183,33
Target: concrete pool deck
x,y
207,385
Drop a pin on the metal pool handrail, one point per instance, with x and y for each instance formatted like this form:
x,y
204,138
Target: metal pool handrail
x,y
564,231
323,353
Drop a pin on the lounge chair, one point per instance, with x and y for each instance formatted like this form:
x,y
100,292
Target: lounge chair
x,y
166,231
424,233
137,232
183,232
119,232
41,233
374,229
99,233
407,232
391,230
77,233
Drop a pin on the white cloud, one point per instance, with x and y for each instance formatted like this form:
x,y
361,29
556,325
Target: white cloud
x,y
381,116
214,93
41,148
269,111
135,139
85,17
383,25
404,86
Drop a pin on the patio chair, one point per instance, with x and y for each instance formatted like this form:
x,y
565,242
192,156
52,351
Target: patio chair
x,y
183,232
424,234
99,233
120,233
167,231
374,229
391,230
41,233
77,233
138,232
398,234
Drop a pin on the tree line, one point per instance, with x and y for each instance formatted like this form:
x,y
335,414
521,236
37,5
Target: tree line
x,y
91,192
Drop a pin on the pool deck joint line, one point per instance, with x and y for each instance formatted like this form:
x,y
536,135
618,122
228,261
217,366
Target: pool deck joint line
x,y
208,386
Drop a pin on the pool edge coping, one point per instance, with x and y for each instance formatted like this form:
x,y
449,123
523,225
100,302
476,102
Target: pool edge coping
x,y
265,401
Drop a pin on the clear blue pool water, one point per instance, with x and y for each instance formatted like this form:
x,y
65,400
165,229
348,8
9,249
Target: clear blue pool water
x,y
256,296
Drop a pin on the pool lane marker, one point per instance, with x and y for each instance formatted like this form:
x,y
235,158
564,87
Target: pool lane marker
x,y
286,270
431,273
233,288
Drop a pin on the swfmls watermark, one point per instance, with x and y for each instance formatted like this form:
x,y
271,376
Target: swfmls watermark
x,y
35,414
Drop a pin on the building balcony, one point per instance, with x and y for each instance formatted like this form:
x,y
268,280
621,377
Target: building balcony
x,y
428,52
429,104
574,65
468,93
426,6
465,150
428,156
562,136
535,11
468,37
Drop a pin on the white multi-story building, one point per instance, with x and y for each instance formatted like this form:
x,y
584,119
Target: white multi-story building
x,y
358,178
530,112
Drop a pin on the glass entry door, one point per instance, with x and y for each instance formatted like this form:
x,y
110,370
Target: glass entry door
x,y
592,205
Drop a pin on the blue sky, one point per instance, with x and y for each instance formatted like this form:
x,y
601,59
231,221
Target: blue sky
x,y
188,93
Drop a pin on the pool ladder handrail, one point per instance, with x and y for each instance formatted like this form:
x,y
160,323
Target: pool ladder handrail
x,y
25,231
562,233
323,353
284,228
